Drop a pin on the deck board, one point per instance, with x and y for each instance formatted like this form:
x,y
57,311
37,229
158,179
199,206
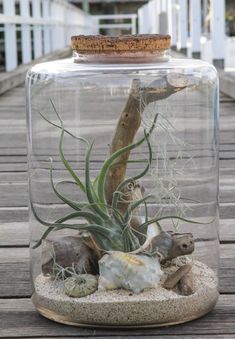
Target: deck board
x,y
18,318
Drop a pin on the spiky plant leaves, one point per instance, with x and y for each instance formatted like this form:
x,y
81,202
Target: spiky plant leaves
x,y
118,193
109,228
157,219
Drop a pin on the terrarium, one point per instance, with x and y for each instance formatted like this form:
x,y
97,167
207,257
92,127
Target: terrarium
x,y
123,184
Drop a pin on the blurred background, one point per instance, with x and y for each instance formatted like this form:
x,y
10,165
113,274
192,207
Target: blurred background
x,y
30,29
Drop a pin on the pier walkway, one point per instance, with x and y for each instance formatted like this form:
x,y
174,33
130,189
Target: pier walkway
x,y
18,319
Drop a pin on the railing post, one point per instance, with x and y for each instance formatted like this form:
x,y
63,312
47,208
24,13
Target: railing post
x,y
163,18
54,27
141,20
133,24
204,14
10,37
59,15
37,29
46,29
182,26
56,39
25,31
195,27
95,21
218,32
172,22
155,16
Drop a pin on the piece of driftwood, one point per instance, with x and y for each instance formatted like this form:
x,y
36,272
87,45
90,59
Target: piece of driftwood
x,y
169,245
132,192
185,284
183,244
127,126
173,278
130,119
68,252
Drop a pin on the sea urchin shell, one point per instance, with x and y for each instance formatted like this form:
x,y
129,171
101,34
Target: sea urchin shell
x,y
80,285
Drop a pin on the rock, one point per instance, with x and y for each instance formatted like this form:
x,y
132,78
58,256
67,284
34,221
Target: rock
x,y
168,245
185,284
128,271
69,251
173,279
80,285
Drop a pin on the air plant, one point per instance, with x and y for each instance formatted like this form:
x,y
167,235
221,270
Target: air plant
x,y
108,227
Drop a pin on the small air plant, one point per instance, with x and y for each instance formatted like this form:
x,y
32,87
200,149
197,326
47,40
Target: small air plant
x,y
109,229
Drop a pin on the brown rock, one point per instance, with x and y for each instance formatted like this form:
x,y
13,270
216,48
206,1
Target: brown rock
x,y
173,279
185,284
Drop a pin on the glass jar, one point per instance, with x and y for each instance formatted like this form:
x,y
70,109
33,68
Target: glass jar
x,y
123,173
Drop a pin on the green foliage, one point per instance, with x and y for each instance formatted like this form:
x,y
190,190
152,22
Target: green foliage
x,y
109,228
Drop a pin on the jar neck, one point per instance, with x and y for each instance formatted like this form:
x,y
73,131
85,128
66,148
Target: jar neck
x,y
122,57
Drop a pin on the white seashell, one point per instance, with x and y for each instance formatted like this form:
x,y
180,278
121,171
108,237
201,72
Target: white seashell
x,y
128,271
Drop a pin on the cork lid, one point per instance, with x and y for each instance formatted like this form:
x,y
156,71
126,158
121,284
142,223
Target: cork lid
x,y
97,44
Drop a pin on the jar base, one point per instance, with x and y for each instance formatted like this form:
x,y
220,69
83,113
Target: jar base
x,y
63,320
151,308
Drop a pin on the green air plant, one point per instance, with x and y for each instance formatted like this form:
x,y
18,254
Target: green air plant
x,y
109,228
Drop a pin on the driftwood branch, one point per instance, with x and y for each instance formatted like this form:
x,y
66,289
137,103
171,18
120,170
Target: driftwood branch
x,y
127,126
129,123
173,278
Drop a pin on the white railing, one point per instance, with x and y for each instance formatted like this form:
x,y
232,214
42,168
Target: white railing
x,y
118,24
45,26
187,21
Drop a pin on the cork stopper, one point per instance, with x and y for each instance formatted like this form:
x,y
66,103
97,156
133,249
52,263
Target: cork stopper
x,y
99,44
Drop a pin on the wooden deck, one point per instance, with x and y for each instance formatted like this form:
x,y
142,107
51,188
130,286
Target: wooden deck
x,y
18,319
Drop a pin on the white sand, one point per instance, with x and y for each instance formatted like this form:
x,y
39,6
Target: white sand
x,y
120,307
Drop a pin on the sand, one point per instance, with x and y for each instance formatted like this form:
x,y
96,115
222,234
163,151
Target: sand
x,y
152,307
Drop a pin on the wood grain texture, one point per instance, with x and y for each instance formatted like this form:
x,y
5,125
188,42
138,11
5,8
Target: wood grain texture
x,y
18,319
17,233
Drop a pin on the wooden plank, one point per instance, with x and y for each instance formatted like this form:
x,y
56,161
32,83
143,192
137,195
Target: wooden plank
x,y
14,234
227,210
227,268
14,272
227,230
15,275
100,156
13,177
226,176
16,214
16,194
151,336
19,319
22,167
13,167
13,138
17,233
17,150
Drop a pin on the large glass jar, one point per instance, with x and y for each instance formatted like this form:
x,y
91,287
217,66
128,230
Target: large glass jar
x,y
123,173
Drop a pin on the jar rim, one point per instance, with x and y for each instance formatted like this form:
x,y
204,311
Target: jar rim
x,y
100,44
